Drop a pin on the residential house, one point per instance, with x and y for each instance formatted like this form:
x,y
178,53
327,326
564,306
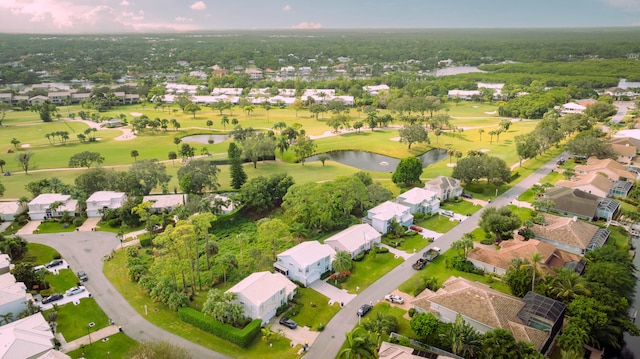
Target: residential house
x,y
355,239
444,187
396,351
497,261
463,94
101,201
570,234
5,263
262,293
13,295
51,205
613,170
27,338
572,202
54,354
381,216
607,209
38,100
620,94
165,202
222,204
626,152
571,107
374,90
595,183
10,210
620,189
305,262
534,319
420,200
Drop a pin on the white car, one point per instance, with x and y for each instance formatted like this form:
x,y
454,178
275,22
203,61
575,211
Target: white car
x,y
394,298
74,291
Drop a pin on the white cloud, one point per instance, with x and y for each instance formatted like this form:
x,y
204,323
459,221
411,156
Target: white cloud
x,y
307,25
124,3
287,8
633,5
198,6
183,19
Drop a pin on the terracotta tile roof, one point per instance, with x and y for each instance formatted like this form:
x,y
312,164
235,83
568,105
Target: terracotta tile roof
x,y
624,150
513,249
608,166
597,180
573,201
566,230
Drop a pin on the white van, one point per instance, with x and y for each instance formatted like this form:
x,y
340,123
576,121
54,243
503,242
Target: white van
x,y
447,213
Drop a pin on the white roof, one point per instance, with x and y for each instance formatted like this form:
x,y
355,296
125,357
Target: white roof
x,y
308,253
5,260
573,106
375,88
417,195
48,198
105,196
165,200
260,286
9,207
388,210
354,237
490,86
54,354
25,338
463,92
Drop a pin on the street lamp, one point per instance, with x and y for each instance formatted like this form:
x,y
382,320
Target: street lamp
x,y
496,193
89,333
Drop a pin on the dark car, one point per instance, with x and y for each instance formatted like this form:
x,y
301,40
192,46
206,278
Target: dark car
x,y
82,276
364,309
52,298
54,263
466,195
288,323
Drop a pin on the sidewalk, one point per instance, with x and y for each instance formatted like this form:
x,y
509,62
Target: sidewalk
x,y
335,295
397,252
87,339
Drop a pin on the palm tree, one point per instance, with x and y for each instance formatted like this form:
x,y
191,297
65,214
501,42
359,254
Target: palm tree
x,y
381,324
462,338
535,259
224,121
566,284
358,345
451,153
342,262
6,318
481,131
177,141
135,154
282,144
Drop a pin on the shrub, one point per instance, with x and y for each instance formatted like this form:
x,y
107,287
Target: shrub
x,y
240,337
57,256
418,216
461,264
382,250
145,242
487,241
78,221
320,327
281,309
114,223
359,257
412,311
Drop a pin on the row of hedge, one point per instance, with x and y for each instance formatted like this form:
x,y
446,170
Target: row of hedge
x,y
241,337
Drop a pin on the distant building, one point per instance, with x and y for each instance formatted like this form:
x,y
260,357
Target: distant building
x,y
101,201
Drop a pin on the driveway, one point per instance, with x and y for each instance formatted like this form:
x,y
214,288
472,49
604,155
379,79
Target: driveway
x,y
28,228
85,251
335,295
89,224
300,335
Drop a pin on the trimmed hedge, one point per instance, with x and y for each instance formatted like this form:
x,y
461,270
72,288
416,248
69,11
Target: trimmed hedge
x,y
241,337
145,242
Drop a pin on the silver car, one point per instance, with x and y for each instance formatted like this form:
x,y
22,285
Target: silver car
x,y
74,291
394,298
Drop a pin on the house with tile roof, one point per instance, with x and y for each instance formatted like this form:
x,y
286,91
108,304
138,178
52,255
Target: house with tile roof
x,y
572,202
613,170
305,262
165,202
572,107
101,201
625,152
26,338
262,293
570,234
396,351
13,295
420,200
595,183
445,187
51,205
381,216
486,309
355,239
5,263
10,210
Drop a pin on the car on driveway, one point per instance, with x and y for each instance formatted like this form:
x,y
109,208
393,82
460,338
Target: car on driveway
x,y
52,298
416,228
364,309
82,276
74,291
54,263
466,195
288,323
394,298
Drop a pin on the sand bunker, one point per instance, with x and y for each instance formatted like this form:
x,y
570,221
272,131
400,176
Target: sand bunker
x,y
26,145
135,114
483,150
397,139
490,113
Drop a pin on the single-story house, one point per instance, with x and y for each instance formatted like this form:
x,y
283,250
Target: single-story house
x,y
571,108
262,293
420,200
10,210
626,153
613,170
463,94
101,201
445,187
572,202
165,202
620,189
222,204
5,263
40,208
355,239
396,351
13,295
381,216
595,183
305,262
570,234
534,319
28,338
374,90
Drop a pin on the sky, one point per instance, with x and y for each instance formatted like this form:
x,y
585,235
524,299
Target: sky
x,y
116,16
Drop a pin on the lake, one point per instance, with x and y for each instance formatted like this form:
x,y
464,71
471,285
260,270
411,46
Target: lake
x,y
369,161
205,138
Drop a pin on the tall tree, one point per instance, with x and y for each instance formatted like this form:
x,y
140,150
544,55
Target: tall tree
x,y
358,345
342,262
198,175
499,221
238,176
25,161
408,171
85,159
304,147
413,134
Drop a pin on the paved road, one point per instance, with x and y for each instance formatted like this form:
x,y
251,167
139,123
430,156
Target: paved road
x,y
623,107
85,251
330,340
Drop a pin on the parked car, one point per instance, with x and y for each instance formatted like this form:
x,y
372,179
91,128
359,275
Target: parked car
x,y
82,276
364,309
466,195
74,291
288,323
52,298
394,298
54,263
448,213
415,228
419,264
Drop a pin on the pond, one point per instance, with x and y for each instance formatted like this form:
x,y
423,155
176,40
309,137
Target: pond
x,y
379,163
205,138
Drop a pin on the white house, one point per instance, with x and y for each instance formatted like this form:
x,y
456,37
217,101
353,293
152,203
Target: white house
x,y
420,200
354,239
444,187
381,216
26,338
10,210
373,90
571,108
103,200
463,94
262,293
165,202
222,204
40,207
13,295
305,262
5,263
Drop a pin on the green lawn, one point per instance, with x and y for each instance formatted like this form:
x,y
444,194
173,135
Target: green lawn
x,y
413,242
398,313
463,207
116,347
315,309
163,317
62,281
522,212
40,254
369,270
73,319
438,223
55,227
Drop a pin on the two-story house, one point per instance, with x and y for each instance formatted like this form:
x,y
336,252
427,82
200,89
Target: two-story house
x,y
51,205
305,262
101,201
355,239
444,187
381,216
262,293
420,200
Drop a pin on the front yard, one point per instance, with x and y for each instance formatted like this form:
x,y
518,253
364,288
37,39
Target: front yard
x,y
438,223
369,270
62,281
117,346
315,309
73,320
